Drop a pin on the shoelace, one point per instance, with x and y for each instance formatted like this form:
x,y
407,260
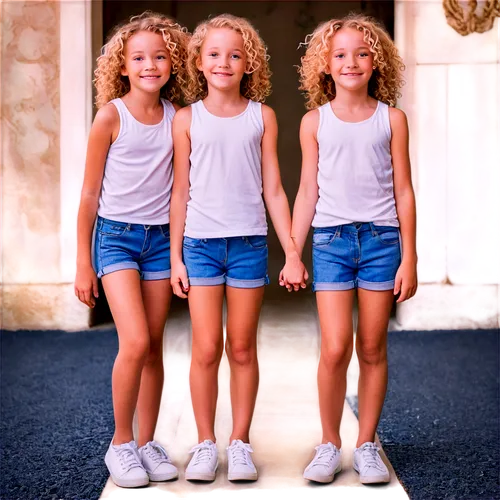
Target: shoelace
x,y
203,453
128,457
371,456
326,453
157,453
240,453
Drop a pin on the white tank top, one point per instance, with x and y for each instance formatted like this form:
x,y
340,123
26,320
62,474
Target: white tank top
x,y
355,170
137,181
226,174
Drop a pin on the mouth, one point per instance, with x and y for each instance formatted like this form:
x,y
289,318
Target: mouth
x,y
151,77
219,73
351,74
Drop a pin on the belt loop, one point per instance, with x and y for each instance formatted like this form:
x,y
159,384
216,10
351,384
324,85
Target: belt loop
x,y
372,229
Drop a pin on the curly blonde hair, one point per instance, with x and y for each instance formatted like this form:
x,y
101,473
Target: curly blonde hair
x,y
109,81
386,79
255,84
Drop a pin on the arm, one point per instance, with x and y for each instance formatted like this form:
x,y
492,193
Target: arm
x,y
103,132
406,277
274,194
180,196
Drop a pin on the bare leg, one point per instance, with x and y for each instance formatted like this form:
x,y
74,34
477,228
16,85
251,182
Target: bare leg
x,y
205,306
371,347
243,310
156,297
123,291
335,317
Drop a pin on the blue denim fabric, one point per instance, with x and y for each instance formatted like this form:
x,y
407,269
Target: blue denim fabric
x,y
354,255
240,261
119,246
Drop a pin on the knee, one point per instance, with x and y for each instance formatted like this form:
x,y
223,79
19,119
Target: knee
x,y
207,356
371,354
335,357
135,351
155,354
241,354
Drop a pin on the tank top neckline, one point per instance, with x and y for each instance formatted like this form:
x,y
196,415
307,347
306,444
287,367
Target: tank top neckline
x,y
202,104
148,125
371,117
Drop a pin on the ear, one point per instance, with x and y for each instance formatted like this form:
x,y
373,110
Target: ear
x,y
198,64
123,71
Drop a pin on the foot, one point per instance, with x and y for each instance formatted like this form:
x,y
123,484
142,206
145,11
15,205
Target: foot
x,y
203,465
155,460
124,465
325,464
239,462
368,464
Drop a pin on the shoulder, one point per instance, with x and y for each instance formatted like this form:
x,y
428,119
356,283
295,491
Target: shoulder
x,y
107,116
183,115
310,121
268,112
397,117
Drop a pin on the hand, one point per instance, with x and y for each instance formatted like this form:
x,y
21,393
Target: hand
x,y
406,280
179,280
294,275
86,285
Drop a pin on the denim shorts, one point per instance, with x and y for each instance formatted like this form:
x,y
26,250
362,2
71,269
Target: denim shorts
x,y
355,255
240,261
119,246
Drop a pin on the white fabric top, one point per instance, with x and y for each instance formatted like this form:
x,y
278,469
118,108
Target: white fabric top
x,y
226,174
355,170
138,175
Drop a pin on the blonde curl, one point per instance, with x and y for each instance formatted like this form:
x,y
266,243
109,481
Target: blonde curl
x,y
386,79
255,84
109,82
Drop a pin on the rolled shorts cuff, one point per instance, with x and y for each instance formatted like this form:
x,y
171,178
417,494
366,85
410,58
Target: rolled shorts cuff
x,y
376,285
237,283
333,286
119,266
212,281
155,275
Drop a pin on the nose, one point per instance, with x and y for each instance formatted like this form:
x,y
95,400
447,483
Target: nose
x,y
151,65
224,62
351,61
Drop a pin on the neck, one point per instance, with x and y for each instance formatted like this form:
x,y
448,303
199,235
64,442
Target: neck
x,y
352,98
146,100
223,98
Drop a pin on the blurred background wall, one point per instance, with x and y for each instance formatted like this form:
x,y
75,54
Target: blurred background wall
x,y
48,52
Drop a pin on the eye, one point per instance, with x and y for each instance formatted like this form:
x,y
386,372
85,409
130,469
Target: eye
x,y
339,56
138,58
212,54
364,54
161,57
236,56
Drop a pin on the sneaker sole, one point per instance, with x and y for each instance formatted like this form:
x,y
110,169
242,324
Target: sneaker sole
x,y
200,476
250,476
163,477
127,483
372,479
323,479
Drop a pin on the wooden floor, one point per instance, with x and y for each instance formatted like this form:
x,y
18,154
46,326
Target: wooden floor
x,y
286,426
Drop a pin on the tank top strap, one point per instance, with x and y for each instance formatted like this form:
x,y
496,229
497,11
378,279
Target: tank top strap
x,y
123,113
255,112
168,108
383,118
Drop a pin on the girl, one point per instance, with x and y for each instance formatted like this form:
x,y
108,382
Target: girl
x,y
356,189
128,179
225,159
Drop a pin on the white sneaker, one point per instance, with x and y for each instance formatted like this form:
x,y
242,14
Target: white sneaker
x,y
155,460
203,465
239,462
124,465
369,465
325,464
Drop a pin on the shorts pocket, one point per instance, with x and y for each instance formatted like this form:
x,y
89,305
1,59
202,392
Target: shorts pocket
x,y
387,234
113,228
323,239
256,241
165,230
192,242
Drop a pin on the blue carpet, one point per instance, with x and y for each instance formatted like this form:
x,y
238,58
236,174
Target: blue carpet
x,y
56,413
440,424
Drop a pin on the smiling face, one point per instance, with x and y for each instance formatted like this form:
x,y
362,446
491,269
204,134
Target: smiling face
x,y
350,61
222,58
147,61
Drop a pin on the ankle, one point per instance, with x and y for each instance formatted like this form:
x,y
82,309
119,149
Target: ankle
x,y
335,440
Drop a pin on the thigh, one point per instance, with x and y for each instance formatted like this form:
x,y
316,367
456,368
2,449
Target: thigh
x,y
154,261
380,258
243,311
204,260
116,247
335,318
246,265
205,308
374,309
156,296
333,264
124,296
